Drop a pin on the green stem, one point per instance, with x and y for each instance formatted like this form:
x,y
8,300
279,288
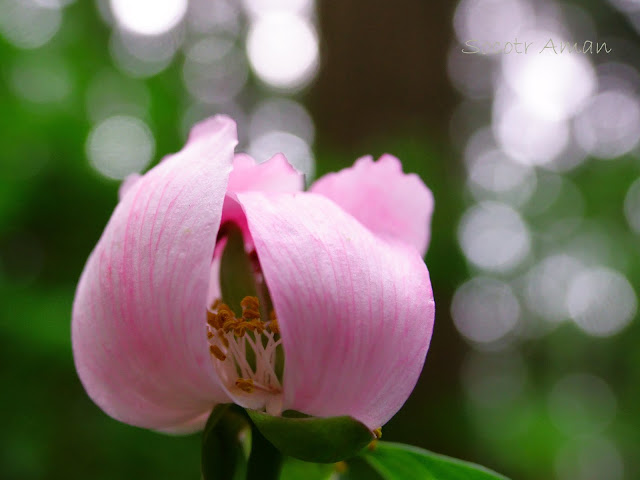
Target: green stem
x,y
223,452
265,461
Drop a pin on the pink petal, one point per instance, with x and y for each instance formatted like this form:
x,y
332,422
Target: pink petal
x,y
274,175
356,312
138,326
190,426
388,202
127,183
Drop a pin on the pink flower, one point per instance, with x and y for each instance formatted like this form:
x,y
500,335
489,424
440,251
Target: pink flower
x,y
352,308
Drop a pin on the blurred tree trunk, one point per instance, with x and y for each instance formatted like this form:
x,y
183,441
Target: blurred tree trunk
x,y
383,68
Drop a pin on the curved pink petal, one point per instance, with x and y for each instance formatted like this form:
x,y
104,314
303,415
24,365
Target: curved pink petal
x,y
388,202
138,327
127,183
190,426
274,175
355,311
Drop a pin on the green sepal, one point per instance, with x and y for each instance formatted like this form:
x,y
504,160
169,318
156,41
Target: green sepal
x,y
395,461
237,278
313,439
225,444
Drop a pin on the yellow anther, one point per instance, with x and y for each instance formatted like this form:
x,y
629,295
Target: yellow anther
x,y
225,314
230,325
257,325
224,307
252,326
372,445
248,343
216,352
215,304
212,318
250,303
245,384
378,433
273,326
250,314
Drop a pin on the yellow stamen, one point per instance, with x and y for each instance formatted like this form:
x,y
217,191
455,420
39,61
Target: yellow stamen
x,y
245,384
250,314
212,318
250,303
225,314
230,325
378,433
273,326
223,339
239,330
216,352
248,350
257,325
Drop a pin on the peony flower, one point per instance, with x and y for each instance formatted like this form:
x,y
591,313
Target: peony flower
x,y
342,317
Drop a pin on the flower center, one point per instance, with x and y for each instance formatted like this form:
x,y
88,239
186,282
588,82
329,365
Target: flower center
x,y
247,354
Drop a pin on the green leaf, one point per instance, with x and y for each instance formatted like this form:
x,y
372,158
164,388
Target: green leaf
x,y
394,461
294,469
237,279
225,445
313,439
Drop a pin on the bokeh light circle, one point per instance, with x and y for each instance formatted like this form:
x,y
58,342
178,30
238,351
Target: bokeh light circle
x,y
487,21
149,17
120,145
609,126
494,237
581,404
294,148
526,136
283,50
484,310
282,114
553,97
547,286
264,7
495,174
215,70
42,79
601,301
590,458
26,24
141,55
